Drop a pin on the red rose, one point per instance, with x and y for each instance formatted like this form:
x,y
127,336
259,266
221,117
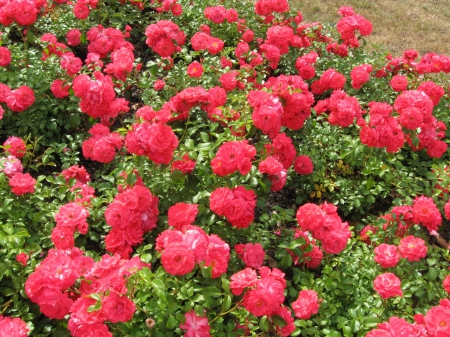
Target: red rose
x,y
399,83
22,183
412,248
195,69
20,99
182,214
15,146
5,57
118,308
178,259
310,217
303,165
22,258
13,327
306,304
386,255
387,285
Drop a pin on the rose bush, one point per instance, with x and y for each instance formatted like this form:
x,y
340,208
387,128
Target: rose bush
x,y
217,169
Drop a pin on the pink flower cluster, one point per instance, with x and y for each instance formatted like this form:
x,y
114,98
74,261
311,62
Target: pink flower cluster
x,y
435,323
83,192
204,41
133,213
70,218
102,146
98,98
410,247
181,250
304,65
219,14
251,254
185,164
360,75
103,41
330,79
424,211
264,295
17,100
168,5
157,141
415,108
352,22
232,157
13,327
103,284
276,172
325,225
161,37
237,205
383,130
23,12
344,109
12,167
267,7
196,326
312,255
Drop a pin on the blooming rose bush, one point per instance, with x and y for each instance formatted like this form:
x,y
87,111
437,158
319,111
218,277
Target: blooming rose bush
x,y
217,169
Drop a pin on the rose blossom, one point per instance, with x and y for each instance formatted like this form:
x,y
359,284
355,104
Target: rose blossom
x,y
387,285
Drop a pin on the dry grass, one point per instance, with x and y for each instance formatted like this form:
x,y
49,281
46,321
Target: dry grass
x,y
398,24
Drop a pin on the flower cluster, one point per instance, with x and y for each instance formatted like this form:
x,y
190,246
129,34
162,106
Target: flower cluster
x,y
435,323
70,218
325,225
83,192
277,174
133,213
13,327
23,12
157,141
168,5
219,14
352,22
232,157
98,98
330,79
102,146
360,75
161,37
237,205
181,250
264,295
416,108
18,100
204,41
344,109
311,256
251,254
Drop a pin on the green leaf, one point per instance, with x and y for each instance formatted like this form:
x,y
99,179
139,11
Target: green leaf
x,y
432,274
278,320
171,322
226,304
178,177
30,36
264,323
